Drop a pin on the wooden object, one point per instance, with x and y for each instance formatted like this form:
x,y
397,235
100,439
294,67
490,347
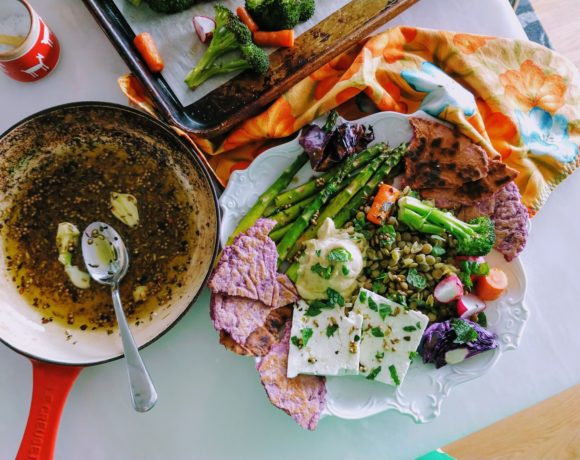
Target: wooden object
x,y
248,94
549,430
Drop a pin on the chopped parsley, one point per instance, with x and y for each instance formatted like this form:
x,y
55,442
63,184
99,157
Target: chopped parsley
x,y
345,270
373,374
416,279
373,305
389,232
379,355
409,328
384,310
377,332
296,341
320,270
394,375
306,334
316,307
377,285
482,319
318,252
398,298
339,255
360,226
331,329
356,337
438,251
362,296
464,331
334,298
413,355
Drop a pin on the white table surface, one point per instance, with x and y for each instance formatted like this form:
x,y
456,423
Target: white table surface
x,y
211,403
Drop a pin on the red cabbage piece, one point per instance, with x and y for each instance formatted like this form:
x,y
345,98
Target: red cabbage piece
x,y
326,148
440,338
314,140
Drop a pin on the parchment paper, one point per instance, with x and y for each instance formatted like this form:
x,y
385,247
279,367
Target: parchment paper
x,y
180,47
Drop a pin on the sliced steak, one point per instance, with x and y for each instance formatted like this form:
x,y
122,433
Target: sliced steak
x,y
247,267
441,157
472,192
303,397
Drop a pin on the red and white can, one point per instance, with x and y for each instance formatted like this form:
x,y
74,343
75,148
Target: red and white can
x,y
37,55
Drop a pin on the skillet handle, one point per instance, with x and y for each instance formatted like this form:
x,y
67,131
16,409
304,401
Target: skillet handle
x,y
51,384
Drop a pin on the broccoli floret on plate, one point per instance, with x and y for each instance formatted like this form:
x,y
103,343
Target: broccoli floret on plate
x,y
280,14
230,35
170,6
474,238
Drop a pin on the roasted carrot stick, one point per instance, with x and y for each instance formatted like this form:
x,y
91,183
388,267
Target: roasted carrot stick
x,y
492,286
146,46
247,19
383,204
276,38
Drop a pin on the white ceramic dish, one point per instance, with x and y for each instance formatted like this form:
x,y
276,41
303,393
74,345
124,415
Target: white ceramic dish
x,y
424,387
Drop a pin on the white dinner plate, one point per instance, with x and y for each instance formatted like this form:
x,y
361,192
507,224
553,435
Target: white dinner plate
x,y
424,387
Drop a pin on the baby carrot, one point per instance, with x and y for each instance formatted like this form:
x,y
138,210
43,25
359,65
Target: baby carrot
x,y
247,19
492,286
383,204
275,38
149,52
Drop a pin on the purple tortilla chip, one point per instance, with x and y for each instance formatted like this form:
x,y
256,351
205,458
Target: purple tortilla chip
x,y
247,267
238,316
303,397
288,293
511,222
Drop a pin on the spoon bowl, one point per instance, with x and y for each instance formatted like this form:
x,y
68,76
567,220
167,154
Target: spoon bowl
x,y
107,261
105,254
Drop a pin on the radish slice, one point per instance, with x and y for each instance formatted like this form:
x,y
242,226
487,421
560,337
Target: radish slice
x,y
448,289
456,356
470,305
204,27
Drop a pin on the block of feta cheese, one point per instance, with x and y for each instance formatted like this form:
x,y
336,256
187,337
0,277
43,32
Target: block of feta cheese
x,y
390,337
325,344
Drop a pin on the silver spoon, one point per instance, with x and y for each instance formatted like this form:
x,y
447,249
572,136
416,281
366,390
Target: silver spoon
x,y
107,261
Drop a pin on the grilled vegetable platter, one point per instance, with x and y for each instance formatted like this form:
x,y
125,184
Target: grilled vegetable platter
x,y
370,265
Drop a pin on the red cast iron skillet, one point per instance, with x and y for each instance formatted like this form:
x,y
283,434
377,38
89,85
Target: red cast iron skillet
x,y
57,361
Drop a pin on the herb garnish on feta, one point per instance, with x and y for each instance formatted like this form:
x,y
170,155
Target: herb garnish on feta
x,y
390,337
326,343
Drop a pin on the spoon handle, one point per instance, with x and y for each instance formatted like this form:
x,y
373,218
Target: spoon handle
x,y
143,392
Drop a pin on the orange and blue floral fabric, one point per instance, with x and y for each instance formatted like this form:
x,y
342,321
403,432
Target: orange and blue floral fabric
x,y
518,100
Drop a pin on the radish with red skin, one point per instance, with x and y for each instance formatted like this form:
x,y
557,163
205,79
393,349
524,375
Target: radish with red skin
x,y
470,305
448,289
204,27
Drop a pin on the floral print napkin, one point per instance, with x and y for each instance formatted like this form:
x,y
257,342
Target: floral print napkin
x,y
518,100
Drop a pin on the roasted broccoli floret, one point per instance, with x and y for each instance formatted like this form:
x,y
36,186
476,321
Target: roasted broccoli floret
x,y
170,6
474,238
280,14
230,34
